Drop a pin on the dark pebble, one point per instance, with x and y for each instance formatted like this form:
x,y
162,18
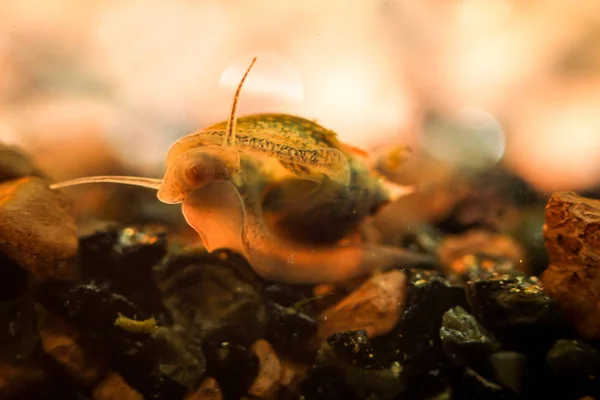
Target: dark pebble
x,y
290,331
509,368
291,320
476,387
233,366
465,341
122,259
517,309
354,347
14,280
415,342
348,368
93,310
577,367
326,383
18,330
215,295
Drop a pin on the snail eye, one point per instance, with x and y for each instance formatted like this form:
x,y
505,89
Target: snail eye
x,y
200,172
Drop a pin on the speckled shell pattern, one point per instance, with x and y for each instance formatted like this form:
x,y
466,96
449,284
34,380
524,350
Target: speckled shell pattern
x,y
305,207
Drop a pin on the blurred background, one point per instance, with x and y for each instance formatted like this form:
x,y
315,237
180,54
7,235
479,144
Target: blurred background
x,y
105,86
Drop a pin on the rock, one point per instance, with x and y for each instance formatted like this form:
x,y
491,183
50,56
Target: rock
x,y
180,354
576,365
347,368
509,368
14,280
64,343
481,267
209,390
479,242
290,331
18,334
292,374
572,239
114,387
415,342
122,259
37,230
517,308
268,380
291,319
23,380
215,295
326,383
234,367
464,340
93,310
375,307
476,387
16,164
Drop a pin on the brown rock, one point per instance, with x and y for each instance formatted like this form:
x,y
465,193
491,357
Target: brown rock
x,y
292,374
113,387
16,379
453,249
36,229
62,341
267,382
376,307
209,390
572,239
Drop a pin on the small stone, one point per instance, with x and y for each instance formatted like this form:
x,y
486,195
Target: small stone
x,y
20,380
292,374
181,356
234,367
290,330
481,267
291,320
575,361
476,387
516,306
37,230
375,307
353,347
209,390
16,164
215,295
18,333
415,342
14,280
122,258
479,242
509,369
572,239
347,368
113,387
267,382
63,343
327,383
464,340
93,310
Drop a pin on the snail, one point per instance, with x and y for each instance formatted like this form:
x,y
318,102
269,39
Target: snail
x,y
279,189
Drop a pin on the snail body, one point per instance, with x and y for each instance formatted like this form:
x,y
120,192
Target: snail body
x,y
281,190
